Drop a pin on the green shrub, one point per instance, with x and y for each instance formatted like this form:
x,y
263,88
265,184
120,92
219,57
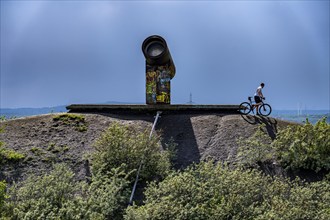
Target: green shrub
x,y
206,191
2,195
68,118
43,196
81,128
10,155
57,196
255,149
35,150
295,200
295,147
108,195
213,191
306,146
75,120
123,146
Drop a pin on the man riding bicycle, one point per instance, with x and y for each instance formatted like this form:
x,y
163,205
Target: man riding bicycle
x,y
263,108
258,96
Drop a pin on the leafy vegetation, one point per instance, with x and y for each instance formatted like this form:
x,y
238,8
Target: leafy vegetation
x,y
36,151
295,147
8,154
57,196
125,146
255,149
67,118
214,191
78,121
207,190
108,195
2,195
306,146
52,147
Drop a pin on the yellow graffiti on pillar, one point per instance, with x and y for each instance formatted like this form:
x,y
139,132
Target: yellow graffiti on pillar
x,y
151,88
160,98
163,97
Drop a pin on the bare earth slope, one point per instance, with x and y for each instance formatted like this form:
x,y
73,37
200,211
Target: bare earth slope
x,y
44,140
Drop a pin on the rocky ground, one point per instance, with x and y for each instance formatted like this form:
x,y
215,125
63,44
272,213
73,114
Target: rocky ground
x,y
52,138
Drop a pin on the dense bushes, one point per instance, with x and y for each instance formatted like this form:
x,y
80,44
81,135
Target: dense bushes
x,y
203,191
206,191
123,146
255,149
107,195
2,195
46,196
306,146
57,196
213,191
295,147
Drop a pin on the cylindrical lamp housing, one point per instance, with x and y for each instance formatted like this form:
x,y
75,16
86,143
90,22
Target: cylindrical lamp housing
x,y
160,70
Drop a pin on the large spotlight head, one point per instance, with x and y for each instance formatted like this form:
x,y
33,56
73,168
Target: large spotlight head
x,y
155,50
160,70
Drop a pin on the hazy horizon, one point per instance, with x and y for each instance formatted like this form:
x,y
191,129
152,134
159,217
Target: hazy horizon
x,y
114,102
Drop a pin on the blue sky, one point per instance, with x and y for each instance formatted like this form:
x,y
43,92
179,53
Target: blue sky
x,y
64,52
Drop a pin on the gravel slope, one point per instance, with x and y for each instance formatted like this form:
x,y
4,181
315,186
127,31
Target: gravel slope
x,y
44,140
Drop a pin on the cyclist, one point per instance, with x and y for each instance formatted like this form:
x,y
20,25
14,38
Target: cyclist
x,y
258,96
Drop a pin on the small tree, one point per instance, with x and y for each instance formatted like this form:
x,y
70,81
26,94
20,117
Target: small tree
x,y
295,147
255,149
124,146
306,146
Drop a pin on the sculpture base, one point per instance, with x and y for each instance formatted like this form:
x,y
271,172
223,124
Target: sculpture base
x,y
142,109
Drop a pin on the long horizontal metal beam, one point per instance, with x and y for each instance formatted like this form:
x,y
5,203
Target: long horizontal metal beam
x,y
136,108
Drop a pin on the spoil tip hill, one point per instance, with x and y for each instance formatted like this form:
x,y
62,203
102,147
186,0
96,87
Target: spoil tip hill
x,y
53,138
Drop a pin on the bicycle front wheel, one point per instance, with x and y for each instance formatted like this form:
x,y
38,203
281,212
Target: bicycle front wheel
x,y
245,108
265,110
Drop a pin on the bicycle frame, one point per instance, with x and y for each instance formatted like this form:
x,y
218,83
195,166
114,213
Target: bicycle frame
x,y
253,103
264,108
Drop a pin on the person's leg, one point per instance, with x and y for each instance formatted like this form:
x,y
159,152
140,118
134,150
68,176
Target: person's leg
x,y
258,102
257,109
253,107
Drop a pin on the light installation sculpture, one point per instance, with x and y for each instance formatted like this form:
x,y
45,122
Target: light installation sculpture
x,y
160,70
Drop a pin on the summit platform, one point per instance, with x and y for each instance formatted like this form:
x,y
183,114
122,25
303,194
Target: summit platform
x,y
141,109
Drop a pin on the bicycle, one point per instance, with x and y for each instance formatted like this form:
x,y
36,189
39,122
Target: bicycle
x,y
246,107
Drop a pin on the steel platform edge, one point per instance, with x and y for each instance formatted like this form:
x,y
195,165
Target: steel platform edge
x,y
141,109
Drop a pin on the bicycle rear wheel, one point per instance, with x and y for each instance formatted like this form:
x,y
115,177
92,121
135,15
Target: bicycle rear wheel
x,y
245,108
265,110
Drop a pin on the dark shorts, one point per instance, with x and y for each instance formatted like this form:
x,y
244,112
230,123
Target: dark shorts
x,y
257,99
